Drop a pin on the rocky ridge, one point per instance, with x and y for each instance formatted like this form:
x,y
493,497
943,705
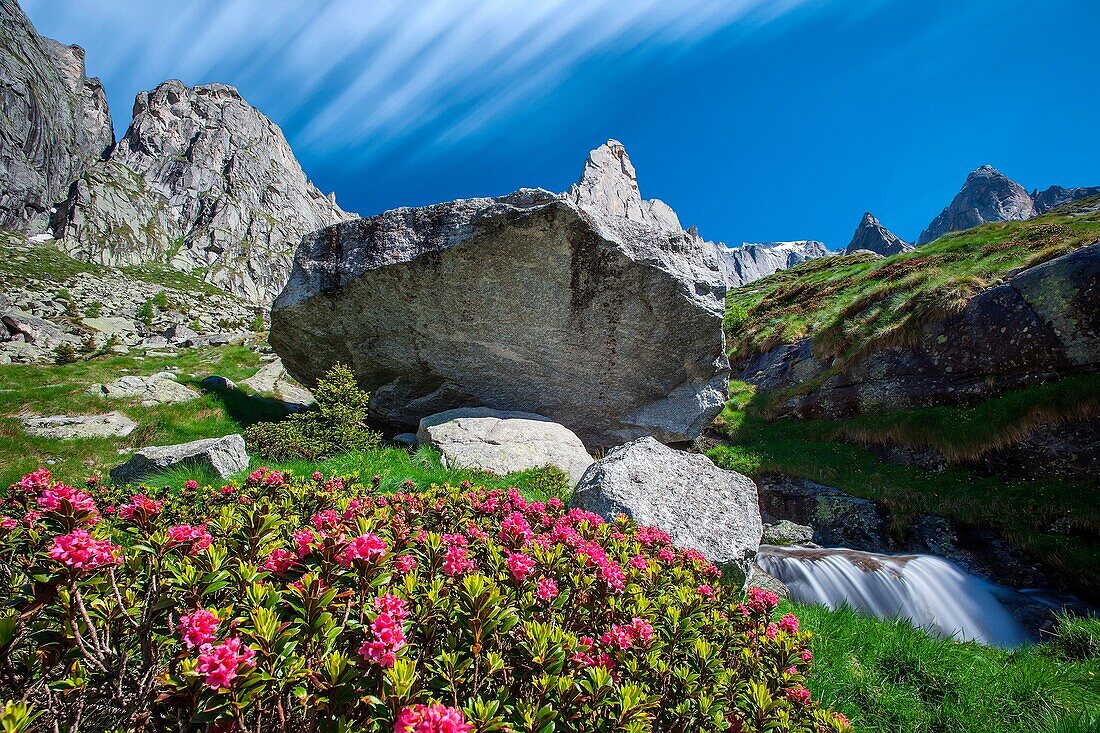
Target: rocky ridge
x,y
871,235
752,261
592,308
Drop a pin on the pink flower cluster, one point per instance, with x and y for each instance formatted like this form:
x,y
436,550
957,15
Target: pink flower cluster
x,y
789,623
759,601
197,535
140,508
387,634
798,695
547,590
457,562
197,628
56,498
220,665
624,636
36,481
366,547
520,565
279,561
430,719
265,477
81,551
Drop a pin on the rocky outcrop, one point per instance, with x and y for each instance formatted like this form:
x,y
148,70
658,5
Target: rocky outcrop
x,y
111,424
1057,196
272,379
503,442
1042,324
592,308
873,236
158,389
700,505
53,121
203,181
224,456
741,265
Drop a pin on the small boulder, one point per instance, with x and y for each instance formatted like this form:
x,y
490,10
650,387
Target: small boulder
x,y
155,390
111,424
272,379
786,532
503,442
226,456
177,333
699,504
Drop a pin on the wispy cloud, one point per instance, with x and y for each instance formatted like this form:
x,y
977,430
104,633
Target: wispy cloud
x,y
360,78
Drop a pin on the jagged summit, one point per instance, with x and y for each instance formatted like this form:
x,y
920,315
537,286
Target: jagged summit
x,y
201,180
873,236
609,183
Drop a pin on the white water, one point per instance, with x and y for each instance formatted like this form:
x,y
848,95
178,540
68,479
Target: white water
x,y
928,591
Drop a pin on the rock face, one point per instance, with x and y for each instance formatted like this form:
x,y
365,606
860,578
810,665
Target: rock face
x,y
741,265
155,390
53,121
273,380
201,180
700,505
111,424
592,308
873,236
503,442
988,195
1041,325
226,456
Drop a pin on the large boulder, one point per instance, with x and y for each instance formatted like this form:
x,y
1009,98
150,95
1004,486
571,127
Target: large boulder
x,y
503,442
593,308
699,504
225,456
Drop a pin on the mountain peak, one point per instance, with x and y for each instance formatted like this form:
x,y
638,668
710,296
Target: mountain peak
x,y
987,195
872,235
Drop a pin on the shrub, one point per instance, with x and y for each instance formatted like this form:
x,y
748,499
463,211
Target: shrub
x,y
94,310
336,424
88,345
64,353
320,604
258,323
145,312
160,300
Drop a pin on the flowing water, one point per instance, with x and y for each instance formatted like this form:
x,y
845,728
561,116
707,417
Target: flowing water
x,y
928,591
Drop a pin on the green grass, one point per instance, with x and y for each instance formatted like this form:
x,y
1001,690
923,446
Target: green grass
x,y
855,303
394,465
888,677
53,390
1021,510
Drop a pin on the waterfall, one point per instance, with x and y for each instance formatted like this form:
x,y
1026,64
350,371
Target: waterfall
x,y
928,591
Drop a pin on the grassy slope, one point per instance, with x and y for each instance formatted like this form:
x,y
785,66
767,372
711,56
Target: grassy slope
x,y
1022,510
852,303
49,390
888,677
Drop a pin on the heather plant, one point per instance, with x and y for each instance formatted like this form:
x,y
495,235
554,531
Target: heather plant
x,y
320,604
336,424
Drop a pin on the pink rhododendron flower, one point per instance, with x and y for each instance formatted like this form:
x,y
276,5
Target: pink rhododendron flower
x,y
547,589
317,476
789,623
325,520
639,562
404,563
515,531
197,535
197,628
798,695
456,562
761,601
807,655
140,508
36,481
366,547
8,523
220,665
81,551
31,517
227,490
430,719
520,565
387,636
304,539
771,631
705,590
56,498
279,561
842,718
191,485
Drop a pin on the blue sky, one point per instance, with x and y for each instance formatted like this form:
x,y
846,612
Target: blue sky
x,y
755,120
